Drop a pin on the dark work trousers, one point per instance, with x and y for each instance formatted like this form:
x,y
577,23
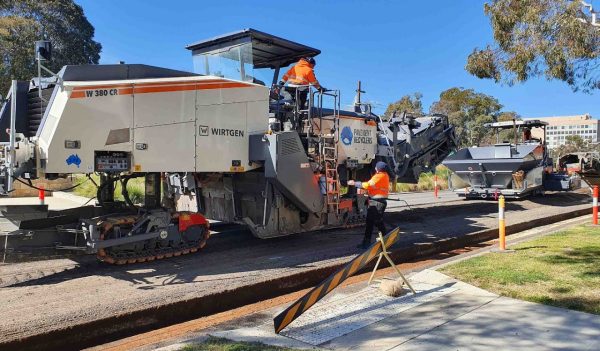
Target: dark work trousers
x,y
302,96
374,218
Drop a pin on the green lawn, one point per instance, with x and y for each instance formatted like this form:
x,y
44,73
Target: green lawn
x,y
561,269
220,344
135,187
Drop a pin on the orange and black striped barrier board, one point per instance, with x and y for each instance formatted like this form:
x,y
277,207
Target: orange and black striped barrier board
x,y
286,317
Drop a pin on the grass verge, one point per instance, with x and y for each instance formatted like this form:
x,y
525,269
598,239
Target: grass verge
x,y
426,181
220,344
135,188
561,269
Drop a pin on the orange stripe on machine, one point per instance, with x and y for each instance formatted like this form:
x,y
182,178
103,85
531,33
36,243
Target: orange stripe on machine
x,y
128,89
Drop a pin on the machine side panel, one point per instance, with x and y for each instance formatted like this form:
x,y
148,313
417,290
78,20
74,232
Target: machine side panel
x,y
258,116
86,117
288,167
222,142
249,93
223,128
158,108
165,148
164,134
358,140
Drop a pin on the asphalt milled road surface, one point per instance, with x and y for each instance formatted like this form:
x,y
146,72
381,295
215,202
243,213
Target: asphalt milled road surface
x,y
45,295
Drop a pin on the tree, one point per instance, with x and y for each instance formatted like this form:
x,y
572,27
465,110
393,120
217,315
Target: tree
x,y
410,104
468,111
508,116
553,38
60,21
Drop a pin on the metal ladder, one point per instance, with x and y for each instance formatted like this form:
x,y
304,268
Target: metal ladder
x,y
330,158
328,143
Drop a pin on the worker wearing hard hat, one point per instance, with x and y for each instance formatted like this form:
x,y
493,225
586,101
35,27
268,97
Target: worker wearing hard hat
x,y
378,188
300,76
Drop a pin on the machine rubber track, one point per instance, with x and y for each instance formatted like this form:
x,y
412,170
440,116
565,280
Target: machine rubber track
x,y
150,252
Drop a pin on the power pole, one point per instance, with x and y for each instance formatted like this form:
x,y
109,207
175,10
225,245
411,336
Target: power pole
x,y
593,21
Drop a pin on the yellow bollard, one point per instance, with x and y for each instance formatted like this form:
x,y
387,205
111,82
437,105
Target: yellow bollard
x,y
501,224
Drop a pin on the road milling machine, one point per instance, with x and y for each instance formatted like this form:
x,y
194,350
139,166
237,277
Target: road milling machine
x,y
217,144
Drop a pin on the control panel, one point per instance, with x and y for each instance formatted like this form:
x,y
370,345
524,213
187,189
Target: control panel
x,y
112,161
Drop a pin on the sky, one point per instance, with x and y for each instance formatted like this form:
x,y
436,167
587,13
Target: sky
x,y
394,47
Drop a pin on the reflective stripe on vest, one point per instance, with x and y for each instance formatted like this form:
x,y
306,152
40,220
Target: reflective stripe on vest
x,y
379,185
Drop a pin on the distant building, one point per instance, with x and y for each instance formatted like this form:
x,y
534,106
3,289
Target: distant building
x,y
559,127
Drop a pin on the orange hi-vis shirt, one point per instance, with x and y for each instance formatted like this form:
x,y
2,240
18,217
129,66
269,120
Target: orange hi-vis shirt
x,y
378,187
301,74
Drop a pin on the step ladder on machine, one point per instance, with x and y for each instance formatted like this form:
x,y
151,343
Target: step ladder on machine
x,y
330,157
328,140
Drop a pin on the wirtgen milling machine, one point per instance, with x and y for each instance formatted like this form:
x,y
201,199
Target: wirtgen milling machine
x,y
217,144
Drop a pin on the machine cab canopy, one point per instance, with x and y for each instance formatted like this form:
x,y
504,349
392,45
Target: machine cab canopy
x,y
237,55
518,126
528,123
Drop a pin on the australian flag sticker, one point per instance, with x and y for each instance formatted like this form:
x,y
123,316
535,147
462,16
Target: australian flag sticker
x,y
73,160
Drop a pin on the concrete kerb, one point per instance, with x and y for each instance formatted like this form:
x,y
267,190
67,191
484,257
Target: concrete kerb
x,y
127,324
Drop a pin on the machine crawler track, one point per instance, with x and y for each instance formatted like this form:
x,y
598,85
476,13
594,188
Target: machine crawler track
x,y
148,250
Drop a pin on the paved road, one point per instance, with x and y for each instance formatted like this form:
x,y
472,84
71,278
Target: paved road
x,y
40,296
399,200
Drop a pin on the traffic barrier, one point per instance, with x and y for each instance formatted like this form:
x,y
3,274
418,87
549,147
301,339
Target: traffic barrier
x,y
501,224
435,186
286,317
42,194
385,254
595,206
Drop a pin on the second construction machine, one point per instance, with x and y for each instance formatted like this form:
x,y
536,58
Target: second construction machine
x,y
217,144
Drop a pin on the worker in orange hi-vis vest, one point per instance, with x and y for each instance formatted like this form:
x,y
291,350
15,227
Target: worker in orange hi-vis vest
x,y
299,77
378,188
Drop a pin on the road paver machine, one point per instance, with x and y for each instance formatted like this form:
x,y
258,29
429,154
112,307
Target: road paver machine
x,y
222,143
516,167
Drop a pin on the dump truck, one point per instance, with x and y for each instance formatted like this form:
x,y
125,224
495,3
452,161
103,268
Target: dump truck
x,y
220,143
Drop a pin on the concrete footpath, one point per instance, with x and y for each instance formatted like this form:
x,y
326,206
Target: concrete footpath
x,y
445,314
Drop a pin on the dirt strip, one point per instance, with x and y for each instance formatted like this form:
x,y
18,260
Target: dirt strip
x,y
90,304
